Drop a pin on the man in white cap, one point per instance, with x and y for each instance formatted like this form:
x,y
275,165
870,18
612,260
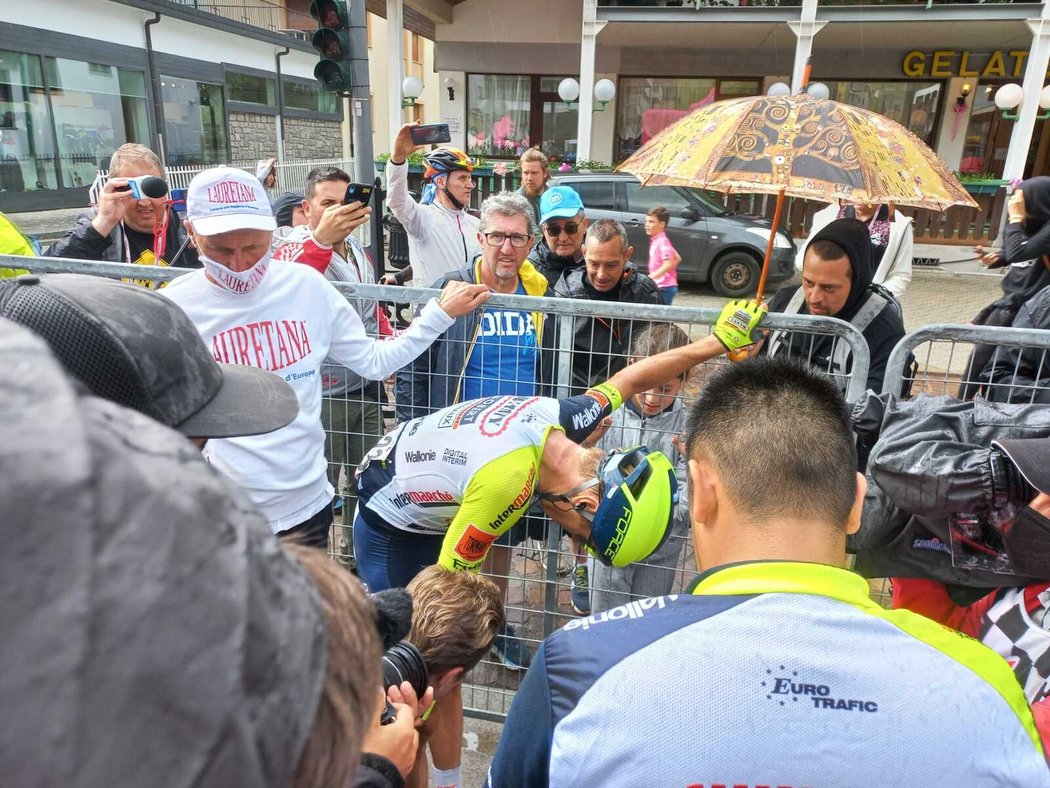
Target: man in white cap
x,y
285,318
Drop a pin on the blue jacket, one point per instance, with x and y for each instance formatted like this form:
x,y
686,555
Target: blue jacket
x,y
772,673
433,380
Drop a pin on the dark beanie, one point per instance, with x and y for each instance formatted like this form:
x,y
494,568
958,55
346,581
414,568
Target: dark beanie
x,y
852,235
283,206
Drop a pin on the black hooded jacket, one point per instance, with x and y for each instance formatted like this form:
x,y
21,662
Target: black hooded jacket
x,y
551,265
1031,238
882,333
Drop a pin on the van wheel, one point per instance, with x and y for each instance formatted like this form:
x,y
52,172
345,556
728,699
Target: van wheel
x,y
735,274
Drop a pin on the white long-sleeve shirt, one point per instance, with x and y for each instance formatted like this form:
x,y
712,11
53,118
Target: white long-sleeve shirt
x,y
289,325
439,240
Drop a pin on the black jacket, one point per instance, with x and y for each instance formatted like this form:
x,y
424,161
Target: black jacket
x,y
882,333
1013,372
551,265
1030,239
432,381
932,460
602,346
1022,280
84,242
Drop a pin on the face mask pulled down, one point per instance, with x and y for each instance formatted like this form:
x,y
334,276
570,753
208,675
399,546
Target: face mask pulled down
x,y
239,282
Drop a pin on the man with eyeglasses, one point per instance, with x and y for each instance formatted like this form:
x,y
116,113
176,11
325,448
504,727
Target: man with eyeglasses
x,y
495,352
564,225
490,352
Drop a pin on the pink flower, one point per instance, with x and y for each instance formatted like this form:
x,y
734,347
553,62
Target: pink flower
x,y
499,168
564,167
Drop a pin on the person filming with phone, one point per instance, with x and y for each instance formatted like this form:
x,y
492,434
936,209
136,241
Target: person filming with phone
x,y
133,221
442,235
351,412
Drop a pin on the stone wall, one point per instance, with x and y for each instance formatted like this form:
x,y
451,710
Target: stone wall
x,y
252,136
312,139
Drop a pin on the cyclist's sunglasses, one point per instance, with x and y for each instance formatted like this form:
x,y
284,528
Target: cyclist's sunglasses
x,y
563,501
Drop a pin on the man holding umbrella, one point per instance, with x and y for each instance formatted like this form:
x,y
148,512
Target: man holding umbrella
x,y
837,276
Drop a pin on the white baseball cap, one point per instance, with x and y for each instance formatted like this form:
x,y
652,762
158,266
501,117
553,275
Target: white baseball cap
x,y
224,199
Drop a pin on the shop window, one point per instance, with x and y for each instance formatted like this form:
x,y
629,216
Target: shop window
x,y
248,89
499,110
310,96
987,134
560,121
89,108
915,105
648,105
27,153
194,122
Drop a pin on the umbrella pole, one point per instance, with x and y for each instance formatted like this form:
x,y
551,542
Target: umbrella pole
x,y
769,247
740,355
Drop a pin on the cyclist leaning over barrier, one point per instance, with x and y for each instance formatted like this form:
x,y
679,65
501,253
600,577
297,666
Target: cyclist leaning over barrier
x,y
445,486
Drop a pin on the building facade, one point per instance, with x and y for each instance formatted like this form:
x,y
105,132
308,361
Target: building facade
x,y
933,66
200,82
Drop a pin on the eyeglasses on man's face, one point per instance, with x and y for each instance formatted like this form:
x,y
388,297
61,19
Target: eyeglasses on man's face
x,y
517,240
554,230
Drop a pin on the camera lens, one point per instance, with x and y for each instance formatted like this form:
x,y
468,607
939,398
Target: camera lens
x,y
403,662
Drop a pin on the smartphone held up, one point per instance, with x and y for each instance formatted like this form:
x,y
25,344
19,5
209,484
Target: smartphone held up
x,y
431,134
358,192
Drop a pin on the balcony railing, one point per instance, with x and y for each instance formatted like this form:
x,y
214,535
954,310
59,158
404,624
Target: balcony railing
x,y
259,13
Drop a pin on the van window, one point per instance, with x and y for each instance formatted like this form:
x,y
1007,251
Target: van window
x,y
642,200
597,195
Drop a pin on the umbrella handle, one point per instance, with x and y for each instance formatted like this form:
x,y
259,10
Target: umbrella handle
x,y
769,247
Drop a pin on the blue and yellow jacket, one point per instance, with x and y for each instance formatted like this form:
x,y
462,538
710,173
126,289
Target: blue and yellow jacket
x,y
770,673
433,380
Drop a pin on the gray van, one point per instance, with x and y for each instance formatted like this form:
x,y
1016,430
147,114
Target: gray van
x,y
718,248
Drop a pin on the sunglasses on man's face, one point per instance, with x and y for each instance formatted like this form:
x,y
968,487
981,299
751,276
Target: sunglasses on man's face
x,y
554,230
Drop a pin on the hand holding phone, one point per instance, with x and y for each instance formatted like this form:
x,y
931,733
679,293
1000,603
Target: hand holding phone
x,y
358,192
431,134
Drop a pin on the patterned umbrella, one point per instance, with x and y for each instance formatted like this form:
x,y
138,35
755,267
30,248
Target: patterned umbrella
x,y
805,147
799,146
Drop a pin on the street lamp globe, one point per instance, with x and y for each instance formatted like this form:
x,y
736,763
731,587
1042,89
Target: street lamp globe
x,y
412,87
568,90
819,90
778,89
1044,98
1009,96
604,90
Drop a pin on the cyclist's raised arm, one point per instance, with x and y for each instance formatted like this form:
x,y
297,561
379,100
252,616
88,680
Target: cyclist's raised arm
x,y
732,331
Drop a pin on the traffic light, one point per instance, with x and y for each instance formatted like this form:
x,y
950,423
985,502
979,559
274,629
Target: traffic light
x,y
332,41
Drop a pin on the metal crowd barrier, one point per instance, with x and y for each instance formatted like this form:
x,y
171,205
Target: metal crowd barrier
x,y
936,359
536,570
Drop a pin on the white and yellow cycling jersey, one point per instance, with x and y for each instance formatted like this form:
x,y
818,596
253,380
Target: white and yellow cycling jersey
x,y
470,471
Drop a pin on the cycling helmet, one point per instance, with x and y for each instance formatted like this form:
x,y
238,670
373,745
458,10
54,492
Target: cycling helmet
x,y
445,160
633,519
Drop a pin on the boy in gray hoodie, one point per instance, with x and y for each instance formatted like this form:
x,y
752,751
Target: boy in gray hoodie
x,y
654,418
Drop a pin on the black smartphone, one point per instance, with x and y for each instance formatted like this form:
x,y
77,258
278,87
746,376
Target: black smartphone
x,y
431,134
358,192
